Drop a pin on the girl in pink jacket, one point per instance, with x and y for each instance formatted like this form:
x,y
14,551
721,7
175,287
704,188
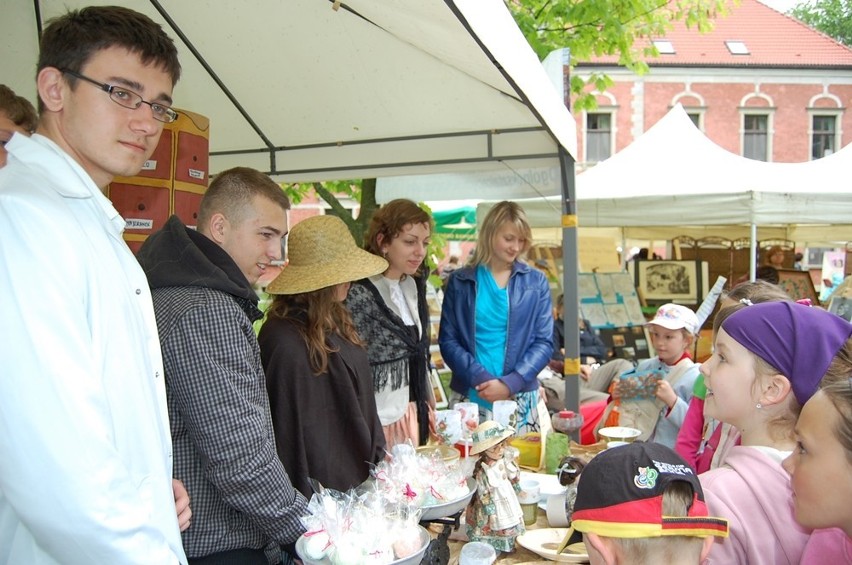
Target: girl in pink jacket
x,y
767,362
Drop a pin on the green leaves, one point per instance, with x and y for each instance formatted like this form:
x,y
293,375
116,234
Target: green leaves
x,y
831,17
596,28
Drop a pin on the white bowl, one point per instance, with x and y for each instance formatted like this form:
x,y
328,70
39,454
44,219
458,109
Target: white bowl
x,y
619,433
412,559
448,508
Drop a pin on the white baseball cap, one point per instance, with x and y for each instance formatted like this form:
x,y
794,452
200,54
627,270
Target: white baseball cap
x,y
675,317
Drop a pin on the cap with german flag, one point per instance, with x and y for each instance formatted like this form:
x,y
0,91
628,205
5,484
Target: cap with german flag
x,y
620,495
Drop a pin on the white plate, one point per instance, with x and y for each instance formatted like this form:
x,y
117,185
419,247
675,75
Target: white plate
x,y
543,542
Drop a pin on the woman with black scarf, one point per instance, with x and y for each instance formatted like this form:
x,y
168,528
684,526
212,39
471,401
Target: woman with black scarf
x,y
392,317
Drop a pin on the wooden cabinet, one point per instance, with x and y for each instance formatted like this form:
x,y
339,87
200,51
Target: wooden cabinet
x,y
172,181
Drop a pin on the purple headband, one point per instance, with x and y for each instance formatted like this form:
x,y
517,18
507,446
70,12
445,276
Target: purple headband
x,y
797,340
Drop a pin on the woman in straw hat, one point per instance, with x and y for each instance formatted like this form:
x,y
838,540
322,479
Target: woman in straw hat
x,y
494,515
392,317
317,373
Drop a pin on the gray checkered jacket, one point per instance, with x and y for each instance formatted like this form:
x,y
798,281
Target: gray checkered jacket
x,y
240,494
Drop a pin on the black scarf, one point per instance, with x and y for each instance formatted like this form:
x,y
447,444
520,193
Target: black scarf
x,y
398,346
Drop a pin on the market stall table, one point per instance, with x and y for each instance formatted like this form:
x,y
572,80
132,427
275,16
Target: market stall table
x,y
520,556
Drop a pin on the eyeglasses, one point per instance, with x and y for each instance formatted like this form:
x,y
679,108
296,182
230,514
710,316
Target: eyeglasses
x,y
129,99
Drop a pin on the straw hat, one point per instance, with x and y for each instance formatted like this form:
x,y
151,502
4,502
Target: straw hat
x,y
323,253
488,434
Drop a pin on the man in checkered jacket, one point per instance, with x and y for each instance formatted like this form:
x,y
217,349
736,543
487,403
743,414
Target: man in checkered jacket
x,y
244,507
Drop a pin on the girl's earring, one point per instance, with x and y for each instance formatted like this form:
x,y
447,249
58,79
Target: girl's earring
x,y
758,406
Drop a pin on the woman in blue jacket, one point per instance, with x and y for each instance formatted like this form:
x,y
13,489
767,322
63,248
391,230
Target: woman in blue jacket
x,y
496,330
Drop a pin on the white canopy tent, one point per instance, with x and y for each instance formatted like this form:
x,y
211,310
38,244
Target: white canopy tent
x,y
673,180
316,90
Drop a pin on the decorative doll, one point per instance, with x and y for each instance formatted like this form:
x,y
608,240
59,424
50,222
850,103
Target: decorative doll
x,y
494,515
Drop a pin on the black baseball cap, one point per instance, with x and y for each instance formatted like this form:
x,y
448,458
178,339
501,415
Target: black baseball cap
x,y
620,495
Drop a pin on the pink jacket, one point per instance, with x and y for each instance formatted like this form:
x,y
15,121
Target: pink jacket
x,y
690,442
753,492
691,432
831,546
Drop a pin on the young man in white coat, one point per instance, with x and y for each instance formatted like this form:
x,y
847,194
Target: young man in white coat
x,y
86,472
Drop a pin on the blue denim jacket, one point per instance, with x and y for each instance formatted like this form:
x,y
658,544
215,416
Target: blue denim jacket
x,y
530,338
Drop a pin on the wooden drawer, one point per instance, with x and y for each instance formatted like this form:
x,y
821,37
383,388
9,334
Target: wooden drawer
x,y
192,158
145,208
159,165
186,207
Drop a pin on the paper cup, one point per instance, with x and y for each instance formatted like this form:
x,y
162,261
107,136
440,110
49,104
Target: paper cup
x,y
530,492
529,496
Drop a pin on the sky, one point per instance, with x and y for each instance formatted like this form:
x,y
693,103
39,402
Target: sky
x,y
782,6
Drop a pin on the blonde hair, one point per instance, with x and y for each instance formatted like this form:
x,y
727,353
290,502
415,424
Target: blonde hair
x,y
836,385
677,500
502,213
323,316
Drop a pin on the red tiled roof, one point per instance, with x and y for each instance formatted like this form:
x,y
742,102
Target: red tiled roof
x,y
773,39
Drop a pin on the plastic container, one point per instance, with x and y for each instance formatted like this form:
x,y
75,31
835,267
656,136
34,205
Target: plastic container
x,y
529,449
566,421
477,553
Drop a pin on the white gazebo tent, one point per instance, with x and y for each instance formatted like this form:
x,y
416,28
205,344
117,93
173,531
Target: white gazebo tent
x,y
311,90
673,180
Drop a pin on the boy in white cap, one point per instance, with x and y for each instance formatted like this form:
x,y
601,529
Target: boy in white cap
x,y
654,397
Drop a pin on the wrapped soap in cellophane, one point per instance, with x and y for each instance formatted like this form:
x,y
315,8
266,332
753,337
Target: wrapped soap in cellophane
x,y
359,527
418,480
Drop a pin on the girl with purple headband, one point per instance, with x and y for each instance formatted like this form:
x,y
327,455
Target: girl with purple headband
x,y
767,362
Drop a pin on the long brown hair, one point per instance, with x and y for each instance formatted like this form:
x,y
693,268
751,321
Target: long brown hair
x,y
317,315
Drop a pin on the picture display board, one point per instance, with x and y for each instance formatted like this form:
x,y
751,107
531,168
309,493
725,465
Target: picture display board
x,y
609,300
611,305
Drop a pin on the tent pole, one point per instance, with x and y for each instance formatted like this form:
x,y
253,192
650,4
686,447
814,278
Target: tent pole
x,y
571,301
752,262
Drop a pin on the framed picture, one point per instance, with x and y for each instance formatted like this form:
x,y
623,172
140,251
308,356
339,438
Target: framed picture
x,y
842,306
798,285
682,282
441,400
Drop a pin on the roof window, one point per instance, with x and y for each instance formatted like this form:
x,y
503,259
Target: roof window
x,y
737,47
664,46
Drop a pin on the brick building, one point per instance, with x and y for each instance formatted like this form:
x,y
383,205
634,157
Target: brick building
x,y
761,84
